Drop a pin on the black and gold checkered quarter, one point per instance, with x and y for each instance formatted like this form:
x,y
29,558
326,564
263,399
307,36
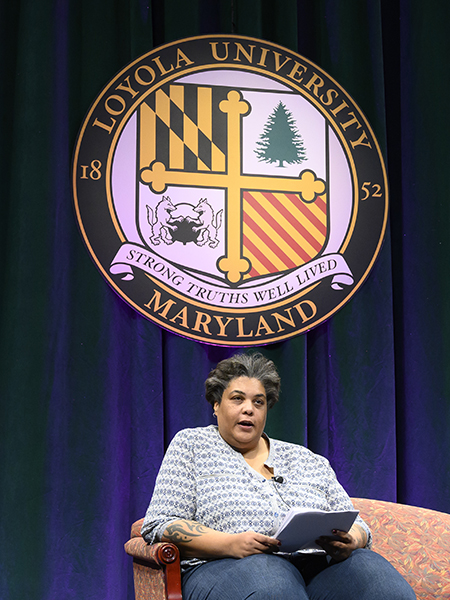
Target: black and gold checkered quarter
x,y
183,127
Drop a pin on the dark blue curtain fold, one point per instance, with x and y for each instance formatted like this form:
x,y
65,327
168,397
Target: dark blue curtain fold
x,y
91,393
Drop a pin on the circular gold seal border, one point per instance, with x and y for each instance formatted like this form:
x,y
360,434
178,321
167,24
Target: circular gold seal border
x,y
307,79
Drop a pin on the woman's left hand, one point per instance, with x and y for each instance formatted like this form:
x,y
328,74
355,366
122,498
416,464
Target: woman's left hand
x,y
341,544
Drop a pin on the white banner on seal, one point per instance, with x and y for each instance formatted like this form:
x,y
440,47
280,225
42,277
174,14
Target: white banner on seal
x,y
132,256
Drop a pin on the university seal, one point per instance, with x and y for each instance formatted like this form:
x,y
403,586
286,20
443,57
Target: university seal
x,y
229,190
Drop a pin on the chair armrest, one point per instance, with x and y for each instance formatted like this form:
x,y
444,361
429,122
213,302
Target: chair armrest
x,y
162,556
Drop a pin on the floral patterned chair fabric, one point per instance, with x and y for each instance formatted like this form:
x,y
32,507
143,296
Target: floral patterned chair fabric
x,y
156,567
415,540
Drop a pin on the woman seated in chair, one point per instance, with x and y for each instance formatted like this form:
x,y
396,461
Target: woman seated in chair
x,y
223,490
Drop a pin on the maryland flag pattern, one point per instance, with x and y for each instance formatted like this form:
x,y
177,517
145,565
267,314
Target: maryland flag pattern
x,y
182,127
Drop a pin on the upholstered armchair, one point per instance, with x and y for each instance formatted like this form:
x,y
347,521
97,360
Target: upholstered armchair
x,y
416,541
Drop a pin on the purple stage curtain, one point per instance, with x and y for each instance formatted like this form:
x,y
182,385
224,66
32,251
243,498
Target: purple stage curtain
x,y
91,393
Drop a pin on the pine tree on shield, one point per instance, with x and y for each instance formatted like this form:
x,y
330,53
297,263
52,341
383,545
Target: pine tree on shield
x,y
280,141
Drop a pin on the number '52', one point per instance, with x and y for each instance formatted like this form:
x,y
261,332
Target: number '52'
x,y
371,189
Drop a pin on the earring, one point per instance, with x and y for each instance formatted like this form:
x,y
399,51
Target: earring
x,y
214,415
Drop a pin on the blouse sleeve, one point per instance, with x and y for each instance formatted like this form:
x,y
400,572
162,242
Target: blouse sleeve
x,y
174,496
339,500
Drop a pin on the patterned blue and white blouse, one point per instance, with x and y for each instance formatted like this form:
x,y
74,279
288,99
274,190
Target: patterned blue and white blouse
x,y
203,479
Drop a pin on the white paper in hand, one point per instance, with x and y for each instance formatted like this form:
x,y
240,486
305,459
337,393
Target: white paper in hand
x,y
301,527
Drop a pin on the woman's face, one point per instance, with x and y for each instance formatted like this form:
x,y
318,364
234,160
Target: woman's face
x,y
241,415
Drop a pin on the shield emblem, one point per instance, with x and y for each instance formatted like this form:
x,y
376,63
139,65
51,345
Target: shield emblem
x,y
202,182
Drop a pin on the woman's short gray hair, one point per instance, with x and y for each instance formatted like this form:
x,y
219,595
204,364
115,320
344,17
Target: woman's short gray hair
x,y
255,366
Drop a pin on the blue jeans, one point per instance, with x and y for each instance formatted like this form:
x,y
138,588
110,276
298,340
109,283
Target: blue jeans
x,y
365,575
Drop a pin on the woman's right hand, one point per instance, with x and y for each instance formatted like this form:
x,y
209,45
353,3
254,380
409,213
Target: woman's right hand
x,y
249,542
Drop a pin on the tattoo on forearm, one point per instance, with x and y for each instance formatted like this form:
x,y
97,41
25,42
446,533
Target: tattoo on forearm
x,y
184,531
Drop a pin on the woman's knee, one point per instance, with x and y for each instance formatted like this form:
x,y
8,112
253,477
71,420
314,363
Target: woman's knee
x,y
381,577
365,574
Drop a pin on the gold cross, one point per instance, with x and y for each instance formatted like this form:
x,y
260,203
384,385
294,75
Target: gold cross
x,y
233,264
